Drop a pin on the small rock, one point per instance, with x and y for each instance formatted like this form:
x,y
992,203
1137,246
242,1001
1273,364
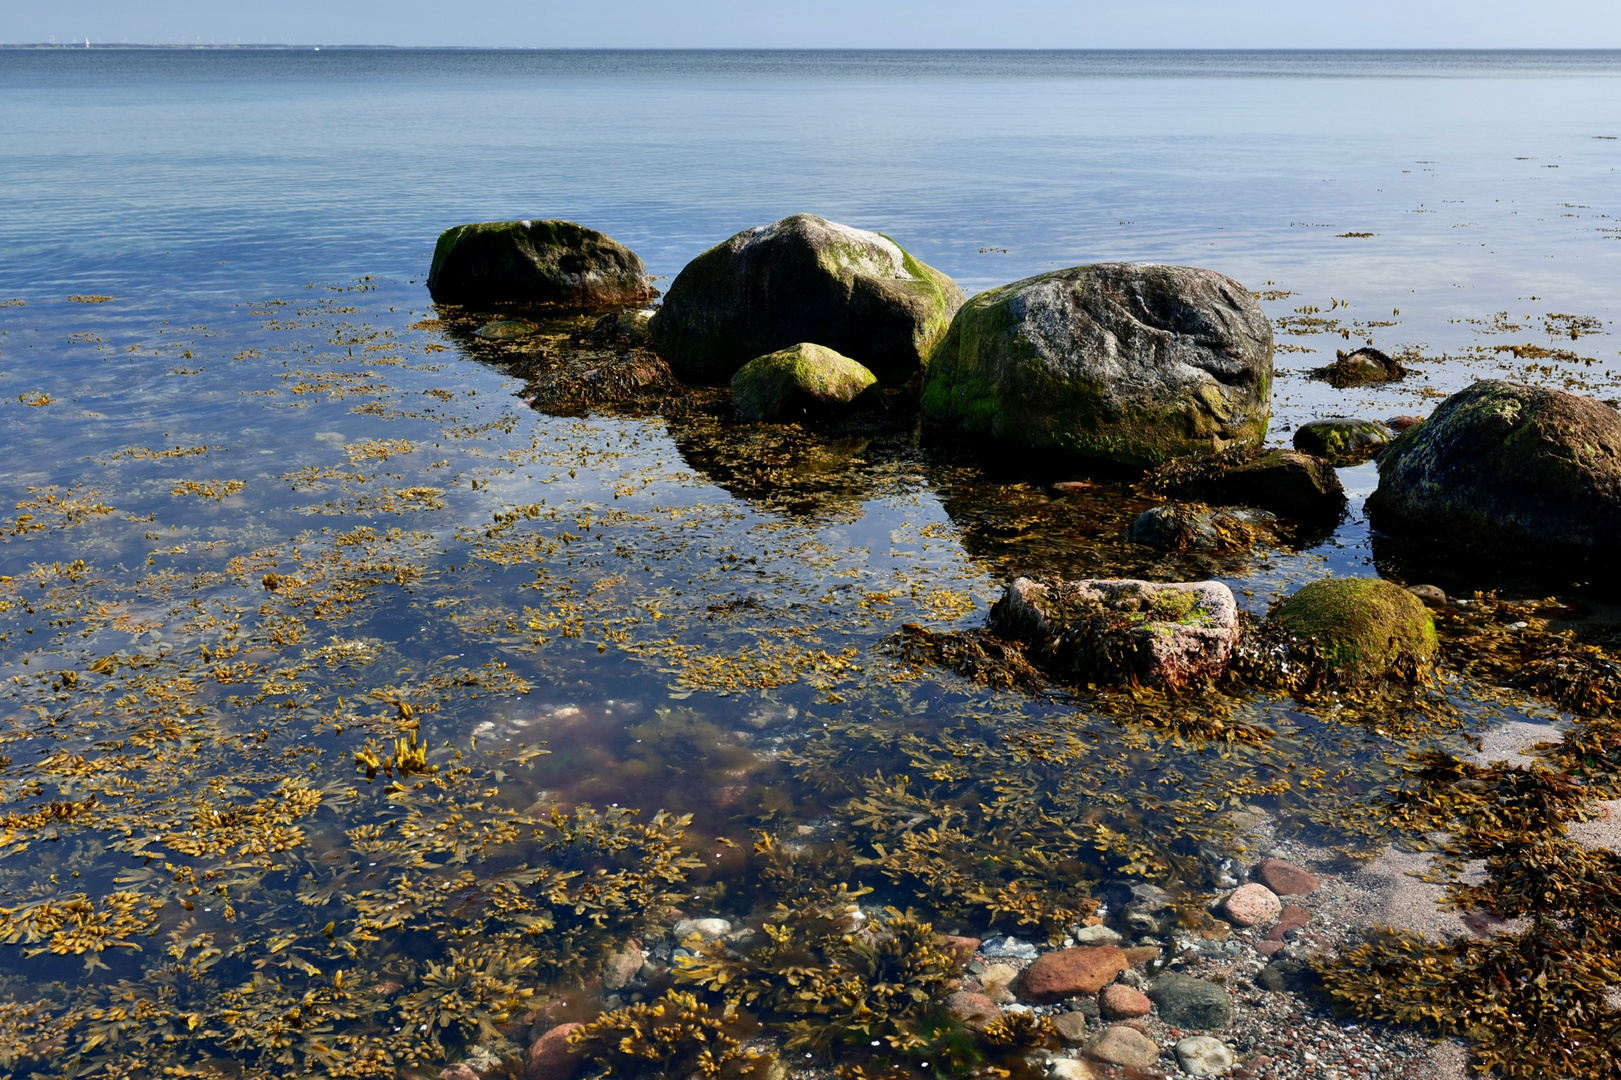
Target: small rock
x,y
1343,440
505,330
1293,917
1133,978
458,1072
1287,974
536,262
1192,527
1363,626
1138,955
1288,482
1096,935
623,966
1432,595
963,948
1070,487
1360,368
1087,1007
802,379
972,1010
1085,969
1285,878
1399,424
1191,1003
1201,1055
1252,905
1122,1045
551,1057
997,980
1071,1069
708,929
1008,948
1120,1002
1071,1026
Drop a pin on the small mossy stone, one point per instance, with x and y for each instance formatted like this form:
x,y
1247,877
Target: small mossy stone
x,y
801,379
1361,367
1343,440
1365,626
505,330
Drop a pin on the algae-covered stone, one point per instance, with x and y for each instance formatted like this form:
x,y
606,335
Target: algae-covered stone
x,y
1509,473
1128,363
555,263
1343,440
803,378
1286,482
804,279
1360,368
505,330
1362,626
1157,634
1196,527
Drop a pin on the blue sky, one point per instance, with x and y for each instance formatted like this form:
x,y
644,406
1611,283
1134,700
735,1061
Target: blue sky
x,y
832,23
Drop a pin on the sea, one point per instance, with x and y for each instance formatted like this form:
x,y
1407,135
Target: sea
x,y
309,614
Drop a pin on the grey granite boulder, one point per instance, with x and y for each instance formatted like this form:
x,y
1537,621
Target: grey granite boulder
x,y
1509,473
1187,1002
1128,363
804,279
554,263
1122,630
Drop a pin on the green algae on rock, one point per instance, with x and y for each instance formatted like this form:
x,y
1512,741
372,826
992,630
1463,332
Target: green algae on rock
x,y
804,279
1362,626
1128,363
1508,473
1360,367
1286,482
536,262
505,330
803,378
1342,440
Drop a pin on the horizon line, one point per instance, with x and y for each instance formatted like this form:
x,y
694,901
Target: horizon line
x,y
313,46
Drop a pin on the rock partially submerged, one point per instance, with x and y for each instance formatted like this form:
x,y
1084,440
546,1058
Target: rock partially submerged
x,y
555,263
1360,368
1289,483
804,279
1509,473
801,379
1162,635
1363,627
1196,527
1128,363
1342,440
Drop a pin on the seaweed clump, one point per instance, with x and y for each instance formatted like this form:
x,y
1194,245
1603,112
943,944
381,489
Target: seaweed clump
x,y
675,1037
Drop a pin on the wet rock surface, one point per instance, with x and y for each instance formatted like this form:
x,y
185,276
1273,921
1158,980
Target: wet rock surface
x,y
554,263
1361,367
1361,626
1188,1002
1341,440
1195,527
804,279
1068,973
1126,363
1158,634
802,380
1508,473
1121,1045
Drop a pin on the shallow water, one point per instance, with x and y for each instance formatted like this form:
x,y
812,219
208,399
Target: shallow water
x,y
271,515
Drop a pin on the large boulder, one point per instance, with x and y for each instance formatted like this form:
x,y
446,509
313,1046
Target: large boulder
x,y
1128,363
555,263
801,379
1509,473
804,279
1122,630
1362,626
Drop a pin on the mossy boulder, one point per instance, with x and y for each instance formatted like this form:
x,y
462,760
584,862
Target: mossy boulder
x,y
804,279
552,263
799,380
1511,474
1128,363
1342,440
1360,368
1361,626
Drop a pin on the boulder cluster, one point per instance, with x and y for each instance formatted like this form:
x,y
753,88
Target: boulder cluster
x,y
1127,366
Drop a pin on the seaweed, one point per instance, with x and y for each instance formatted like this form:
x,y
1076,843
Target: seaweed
x,y
672,1038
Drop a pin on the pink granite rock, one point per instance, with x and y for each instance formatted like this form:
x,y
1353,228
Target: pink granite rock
x,y
1252,905
1122,1002
1285,878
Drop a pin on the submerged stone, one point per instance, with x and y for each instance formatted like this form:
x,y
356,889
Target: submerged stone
x,y
1343,440
1122,1045
804,279
1194,527
1509,473
1122,630
1360,368
1191,1003
536,262
1363,626
505,330
1202,1055
1127,363
1287,482
1084,969
801,379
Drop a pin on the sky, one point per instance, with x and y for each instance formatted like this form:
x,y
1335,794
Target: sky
x,y
829,23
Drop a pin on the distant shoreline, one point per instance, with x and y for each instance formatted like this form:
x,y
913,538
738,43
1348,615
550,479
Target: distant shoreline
x,y
99,46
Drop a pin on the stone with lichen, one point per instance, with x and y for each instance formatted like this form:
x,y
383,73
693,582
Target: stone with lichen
x,y
803,379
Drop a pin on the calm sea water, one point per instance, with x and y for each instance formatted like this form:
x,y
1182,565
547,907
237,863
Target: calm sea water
x,y
263,501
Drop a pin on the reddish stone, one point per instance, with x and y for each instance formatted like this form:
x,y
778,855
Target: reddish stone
x,y
1400,424
973,1010
1293,918
1121,1002
458,1072
963,948
1286,879
1267,948
551,1057
1252,905
1138,955
1085,969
